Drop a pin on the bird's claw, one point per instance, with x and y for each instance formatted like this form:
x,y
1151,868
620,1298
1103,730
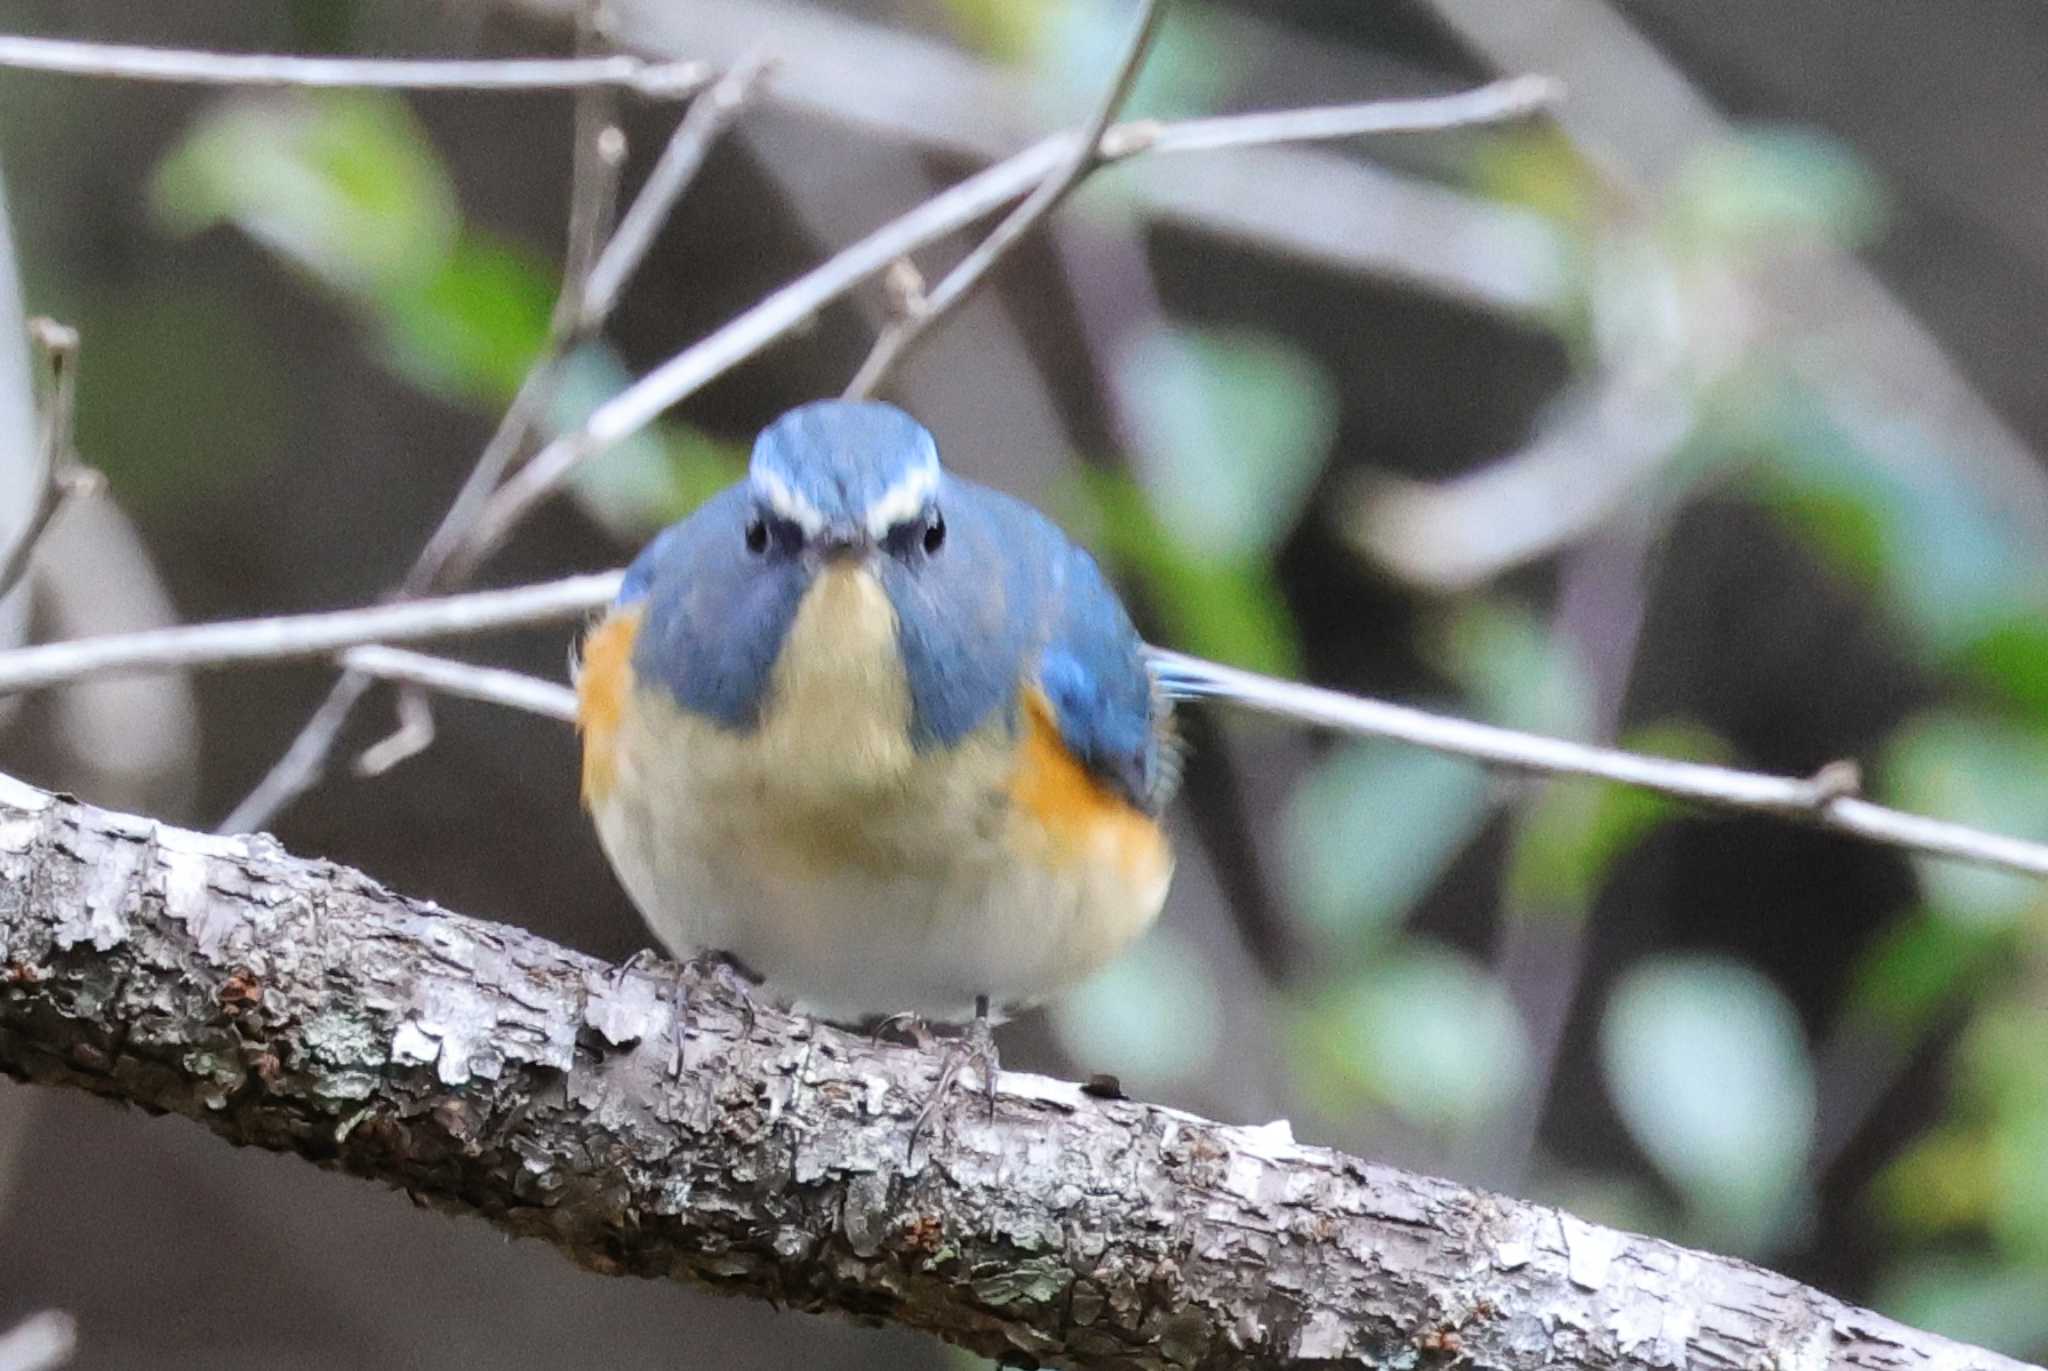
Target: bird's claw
x,y
909,1024
720,969
976,1044
713,966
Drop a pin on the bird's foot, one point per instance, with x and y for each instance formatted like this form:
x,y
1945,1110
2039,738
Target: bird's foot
x,y
908,1025
714,966
976,1044
730,977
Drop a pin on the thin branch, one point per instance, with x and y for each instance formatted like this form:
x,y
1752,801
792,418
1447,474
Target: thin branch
x,y
289,636
1312,205
681,1136
1826,799
304,759
600,153
709,116
657,80
492,685
903,332
787,309
414,734
59,476
1516,97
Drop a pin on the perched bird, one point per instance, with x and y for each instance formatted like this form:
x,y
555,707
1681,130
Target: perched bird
x,y
883,736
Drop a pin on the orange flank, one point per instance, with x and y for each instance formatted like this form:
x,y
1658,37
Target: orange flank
x,y
1083,818
603,677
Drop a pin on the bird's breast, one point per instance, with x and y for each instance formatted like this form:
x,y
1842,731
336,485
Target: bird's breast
x,y
856,872
836,719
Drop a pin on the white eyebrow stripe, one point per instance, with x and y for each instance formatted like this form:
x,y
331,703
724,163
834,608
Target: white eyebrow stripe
x,y
904,500
785,501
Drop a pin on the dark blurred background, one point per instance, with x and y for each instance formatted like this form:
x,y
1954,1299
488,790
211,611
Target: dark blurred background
x,y
1702,417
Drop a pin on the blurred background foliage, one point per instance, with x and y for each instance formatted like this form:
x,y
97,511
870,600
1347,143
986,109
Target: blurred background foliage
x,y
1660,509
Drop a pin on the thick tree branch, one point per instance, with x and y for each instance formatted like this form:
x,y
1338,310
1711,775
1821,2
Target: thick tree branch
x,y
299,1006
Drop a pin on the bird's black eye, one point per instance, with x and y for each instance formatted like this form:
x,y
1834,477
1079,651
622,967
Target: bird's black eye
x,y
934,533
757,535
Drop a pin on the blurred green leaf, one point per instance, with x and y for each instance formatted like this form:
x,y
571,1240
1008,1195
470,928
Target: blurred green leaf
x,y
1228,609
1152,1015
348,189
1568,840
1371,829
474,326
1233,428
1947,565
1977,769
344,185
1538,167
1913,968
2002,1056
1708,1067
1973,1299
1073,45
648,479
2011,656
1427,1032
1765,184
1513,668
1943,1183
1004,29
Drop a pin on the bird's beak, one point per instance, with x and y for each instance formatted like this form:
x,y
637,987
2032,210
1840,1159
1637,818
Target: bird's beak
x,y
842,543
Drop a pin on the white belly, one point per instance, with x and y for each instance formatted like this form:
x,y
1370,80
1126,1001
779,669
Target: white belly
x,y
857,877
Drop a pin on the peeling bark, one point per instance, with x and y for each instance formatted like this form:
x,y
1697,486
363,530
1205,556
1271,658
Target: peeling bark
x,y
299,1006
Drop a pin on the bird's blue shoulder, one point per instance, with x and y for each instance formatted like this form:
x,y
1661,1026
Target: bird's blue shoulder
x,y
1050,620
712,621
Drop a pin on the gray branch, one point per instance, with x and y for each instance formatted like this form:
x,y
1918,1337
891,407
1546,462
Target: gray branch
x,y
299,1006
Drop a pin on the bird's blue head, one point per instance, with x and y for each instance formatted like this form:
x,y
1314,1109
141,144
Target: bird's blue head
x,y
840,489
847,475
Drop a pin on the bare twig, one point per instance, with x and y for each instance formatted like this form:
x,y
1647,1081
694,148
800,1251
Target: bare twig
x,y
774,317
709,116
1826,799
598,157
1055,1226
285,637
659,80
1338,212
304,760
492,685
487,515
902,333
414,734
600,151
39,1342
1541,953
1516,97
61,477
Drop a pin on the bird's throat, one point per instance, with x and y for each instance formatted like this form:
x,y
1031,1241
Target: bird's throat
x,y
837,718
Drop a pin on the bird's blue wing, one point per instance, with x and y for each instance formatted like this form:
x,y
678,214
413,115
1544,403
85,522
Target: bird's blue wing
x,y
1110,711
1044,616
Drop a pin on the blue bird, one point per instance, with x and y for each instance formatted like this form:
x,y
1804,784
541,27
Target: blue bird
x,y
884,736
